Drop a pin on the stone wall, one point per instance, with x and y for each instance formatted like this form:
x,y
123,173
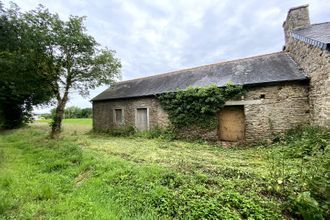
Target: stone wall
x,y
316,64
103,112
195,132
267,109
283,106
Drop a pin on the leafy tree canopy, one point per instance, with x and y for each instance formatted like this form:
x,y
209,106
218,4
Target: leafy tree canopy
x,y
61,53
22,84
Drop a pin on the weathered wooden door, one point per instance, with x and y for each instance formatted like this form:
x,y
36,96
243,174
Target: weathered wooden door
x,y
141,122
231,123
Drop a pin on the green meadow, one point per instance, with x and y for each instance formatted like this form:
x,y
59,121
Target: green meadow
x,y
84,175
74,121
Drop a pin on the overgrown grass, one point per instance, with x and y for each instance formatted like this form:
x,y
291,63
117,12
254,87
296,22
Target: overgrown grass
x,y
95,176
167,133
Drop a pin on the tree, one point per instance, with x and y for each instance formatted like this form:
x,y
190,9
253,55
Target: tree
x,y
22,84
43,57
86,113
74,59
76,112
71,112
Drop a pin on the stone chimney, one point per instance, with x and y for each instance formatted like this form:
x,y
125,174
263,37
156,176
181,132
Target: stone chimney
x,y
298,17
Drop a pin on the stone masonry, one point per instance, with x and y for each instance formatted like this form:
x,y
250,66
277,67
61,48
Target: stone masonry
x,y
283,106
316,64
103,112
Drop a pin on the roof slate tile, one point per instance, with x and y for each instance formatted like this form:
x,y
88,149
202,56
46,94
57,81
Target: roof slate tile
x,y
269,68
315,34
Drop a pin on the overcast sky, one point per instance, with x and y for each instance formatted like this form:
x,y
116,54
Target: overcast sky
x,y
155,36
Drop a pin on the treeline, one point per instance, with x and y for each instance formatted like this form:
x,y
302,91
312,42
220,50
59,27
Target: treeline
x,y
70,112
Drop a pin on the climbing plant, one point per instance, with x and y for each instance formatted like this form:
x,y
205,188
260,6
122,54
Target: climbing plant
x,y
197,105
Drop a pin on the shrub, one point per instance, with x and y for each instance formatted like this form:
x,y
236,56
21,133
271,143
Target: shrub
x,y
197,105
167,133
307,206
122,131
306,141
307,187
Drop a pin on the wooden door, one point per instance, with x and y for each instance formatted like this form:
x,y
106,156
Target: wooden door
x,y
141,122
232,123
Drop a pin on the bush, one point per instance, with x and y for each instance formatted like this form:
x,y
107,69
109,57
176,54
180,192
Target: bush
x,y
122,131
307,206
307,188
197,105
167,133
306,141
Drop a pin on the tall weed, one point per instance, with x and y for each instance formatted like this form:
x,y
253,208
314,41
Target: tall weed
x,y
307,186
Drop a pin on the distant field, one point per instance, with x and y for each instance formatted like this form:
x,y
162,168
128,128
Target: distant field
x,y
69,125
80,121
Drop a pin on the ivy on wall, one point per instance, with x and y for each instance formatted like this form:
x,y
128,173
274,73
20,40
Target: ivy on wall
x,y
197,105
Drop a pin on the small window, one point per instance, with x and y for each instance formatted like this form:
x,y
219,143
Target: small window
x,y
119,116
262,96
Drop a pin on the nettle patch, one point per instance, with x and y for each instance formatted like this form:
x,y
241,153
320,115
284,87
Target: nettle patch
x,y
197,106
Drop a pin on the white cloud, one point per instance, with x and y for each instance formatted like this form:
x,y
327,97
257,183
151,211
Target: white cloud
x,y
158,36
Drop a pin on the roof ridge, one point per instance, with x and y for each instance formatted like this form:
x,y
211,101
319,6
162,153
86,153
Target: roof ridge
x,y
301,28
320,23
202,66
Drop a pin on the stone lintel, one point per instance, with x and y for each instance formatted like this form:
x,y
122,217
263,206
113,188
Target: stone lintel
x,y
245,102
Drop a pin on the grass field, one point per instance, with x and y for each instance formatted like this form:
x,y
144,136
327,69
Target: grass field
x,y
92,176
74,121
69,125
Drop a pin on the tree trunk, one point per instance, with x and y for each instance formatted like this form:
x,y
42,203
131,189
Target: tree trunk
x,y
57,120
61,102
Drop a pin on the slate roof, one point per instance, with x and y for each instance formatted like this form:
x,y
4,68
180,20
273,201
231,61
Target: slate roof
x,y
269,68
315,34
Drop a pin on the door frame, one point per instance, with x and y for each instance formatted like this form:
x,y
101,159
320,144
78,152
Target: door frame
x,y
218,124
142,107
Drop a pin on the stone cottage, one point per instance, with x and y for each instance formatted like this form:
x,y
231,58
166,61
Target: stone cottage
x,y
285,89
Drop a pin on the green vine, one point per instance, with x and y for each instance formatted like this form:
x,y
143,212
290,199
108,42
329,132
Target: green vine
x,y
197,105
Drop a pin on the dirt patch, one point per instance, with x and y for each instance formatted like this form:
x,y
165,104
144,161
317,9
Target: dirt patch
x,y
82,177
